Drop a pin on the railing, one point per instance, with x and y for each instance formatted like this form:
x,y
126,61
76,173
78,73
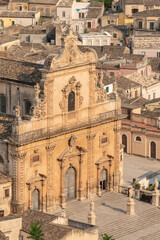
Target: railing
x,y
145,196
123,190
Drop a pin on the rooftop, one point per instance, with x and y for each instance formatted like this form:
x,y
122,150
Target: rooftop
x,y
95,10
46,2
65,3
5,39
18,14
149,13
143,80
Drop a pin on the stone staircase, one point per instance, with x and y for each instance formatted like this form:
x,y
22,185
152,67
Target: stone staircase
x,y
111,218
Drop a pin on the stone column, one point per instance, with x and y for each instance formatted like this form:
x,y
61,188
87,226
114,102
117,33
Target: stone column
x,y
98,181
62,194
91,215
18,198
130,203
80,178
50,174
155,194
110,176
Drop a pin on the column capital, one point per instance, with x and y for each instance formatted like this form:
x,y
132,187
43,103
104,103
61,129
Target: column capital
x,y
18,155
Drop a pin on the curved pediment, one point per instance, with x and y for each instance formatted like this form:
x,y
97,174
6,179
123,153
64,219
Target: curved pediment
x,y
70,56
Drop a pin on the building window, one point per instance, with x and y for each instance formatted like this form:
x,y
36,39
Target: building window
x,y
6,192
103,140
107,89
112,74
77,28
12,23
1,159
154,95
136,94
63,14
140,24
138,139
48,11
134,10
1,213
34,9
114,35
25,8
27,106
109,22
158,54
151,25
142,72
2,103
19,8
149,97
71,101
89,24
35,158
80,16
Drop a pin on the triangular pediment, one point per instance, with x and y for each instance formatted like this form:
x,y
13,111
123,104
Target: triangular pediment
x,y
70,56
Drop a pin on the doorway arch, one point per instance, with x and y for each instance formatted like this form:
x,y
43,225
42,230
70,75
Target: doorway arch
x,y
124,142
103,179
153,149
70,184
35,199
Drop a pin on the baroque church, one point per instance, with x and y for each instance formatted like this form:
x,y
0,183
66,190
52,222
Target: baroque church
x,y
70,147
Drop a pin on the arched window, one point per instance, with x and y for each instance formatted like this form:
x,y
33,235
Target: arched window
x,y
71,101
27,106
138,139
2,103
1,159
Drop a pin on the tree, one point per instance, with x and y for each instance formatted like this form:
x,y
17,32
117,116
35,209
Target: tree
x,y
35,231
106,237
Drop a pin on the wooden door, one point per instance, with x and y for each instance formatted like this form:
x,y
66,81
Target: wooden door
x,y
103,179
35,200
70,184
153,150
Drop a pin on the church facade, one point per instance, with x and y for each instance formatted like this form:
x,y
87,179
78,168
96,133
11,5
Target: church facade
x,y
70,147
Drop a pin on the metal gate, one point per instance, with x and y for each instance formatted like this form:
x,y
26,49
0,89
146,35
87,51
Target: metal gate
x,y
103,179
35,200
70,184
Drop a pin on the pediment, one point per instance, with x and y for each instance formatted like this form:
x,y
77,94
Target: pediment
x,y
70,56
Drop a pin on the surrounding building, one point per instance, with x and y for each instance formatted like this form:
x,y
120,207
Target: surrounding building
x,y
19,5
47,8
7,41
95,39
5,191
9,18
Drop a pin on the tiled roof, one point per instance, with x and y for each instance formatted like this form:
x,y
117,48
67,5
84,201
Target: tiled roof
x,y
155,64
4,179
148,13
65,3
51,231
5,39
17,14
141,79
95,10
122,82
50,2
140,125
20,1
20,71
145,2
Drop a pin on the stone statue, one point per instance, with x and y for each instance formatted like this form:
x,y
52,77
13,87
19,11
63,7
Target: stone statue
x,y
156,184
131,192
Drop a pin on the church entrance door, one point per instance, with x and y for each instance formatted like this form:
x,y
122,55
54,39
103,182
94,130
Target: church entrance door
x,y
35,200
70,184
103,179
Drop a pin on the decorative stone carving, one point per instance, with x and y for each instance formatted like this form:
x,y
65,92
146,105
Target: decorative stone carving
x,y
18,155
71,86
40,108
50,147
72,141
101,93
